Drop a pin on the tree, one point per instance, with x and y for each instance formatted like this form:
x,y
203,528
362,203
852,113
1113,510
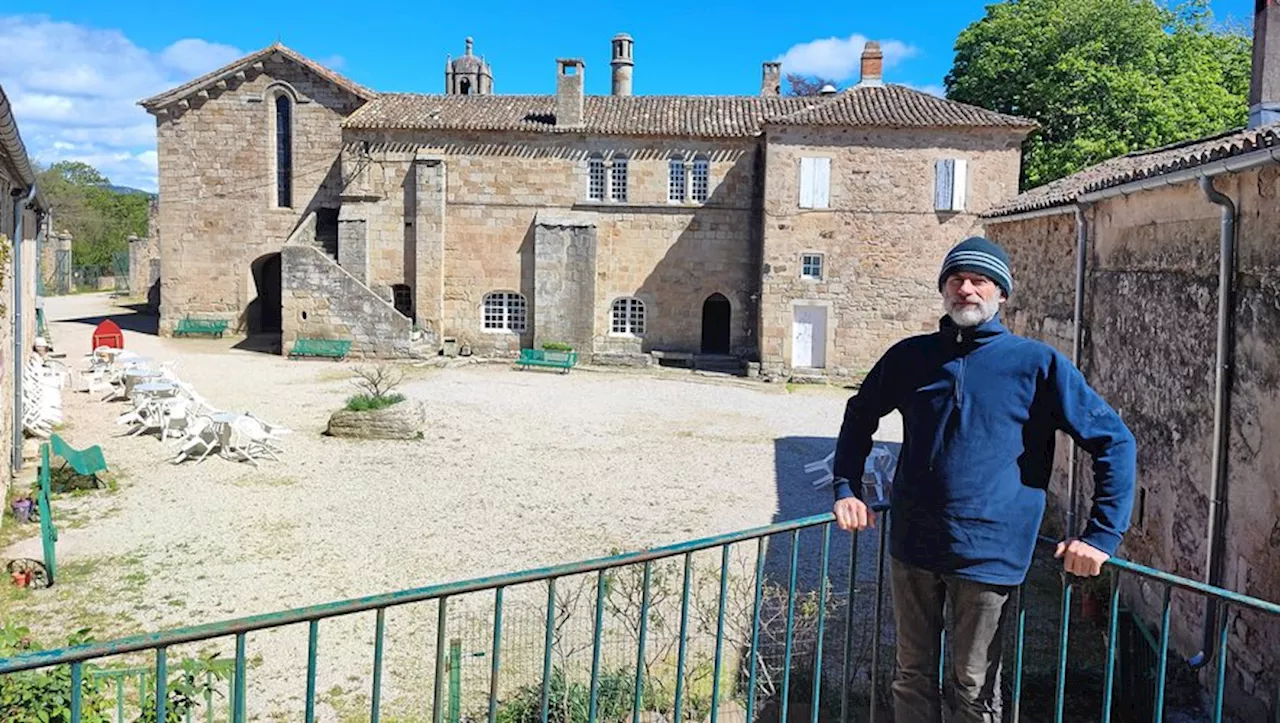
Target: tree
x,y
807,84
1102,77
100,220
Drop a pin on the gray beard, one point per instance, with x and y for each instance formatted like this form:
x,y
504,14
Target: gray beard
x,y
967,316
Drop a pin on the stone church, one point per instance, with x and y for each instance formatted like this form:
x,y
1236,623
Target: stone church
x,y
783,234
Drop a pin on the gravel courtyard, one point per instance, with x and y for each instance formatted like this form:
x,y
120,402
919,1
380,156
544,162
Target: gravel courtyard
x,y
517,470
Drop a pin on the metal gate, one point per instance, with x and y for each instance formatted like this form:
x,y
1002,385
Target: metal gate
x,y
120,269
60,281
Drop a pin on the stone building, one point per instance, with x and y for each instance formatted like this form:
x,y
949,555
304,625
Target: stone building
x,y
1149,231
796,233
21,217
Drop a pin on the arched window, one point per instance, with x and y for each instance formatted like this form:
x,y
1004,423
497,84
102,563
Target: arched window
x,y
284,151
466,86
595,177
504,311
628,317
701,181
618,187
676,180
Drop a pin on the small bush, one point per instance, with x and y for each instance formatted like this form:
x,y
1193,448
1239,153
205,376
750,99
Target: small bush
x,y
368,403
556,346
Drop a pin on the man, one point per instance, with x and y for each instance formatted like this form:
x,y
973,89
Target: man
x,y
980,406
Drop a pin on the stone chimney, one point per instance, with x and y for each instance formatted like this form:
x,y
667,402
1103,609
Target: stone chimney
x,y
771,79
569,85
872,65
1264,85
623,63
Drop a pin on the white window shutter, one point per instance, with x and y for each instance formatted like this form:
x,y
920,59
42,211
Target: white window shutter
x,y
944,174
806,183
821,182
959,184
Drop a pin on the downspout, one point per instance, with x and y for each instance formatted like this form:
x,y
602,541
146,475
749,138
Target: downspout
x,y
19,205
1077,342
1221,412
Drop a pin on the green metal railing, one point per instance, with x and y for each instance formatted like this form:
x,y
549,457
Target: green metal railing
x,y
448,657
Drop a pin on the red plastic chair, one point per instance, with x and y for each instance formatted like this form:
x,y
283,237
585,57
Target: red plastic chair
x,y
107,334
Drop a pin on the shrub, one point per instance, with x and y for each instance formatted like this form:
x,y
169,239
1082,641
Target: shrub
x,y
556,346
369,403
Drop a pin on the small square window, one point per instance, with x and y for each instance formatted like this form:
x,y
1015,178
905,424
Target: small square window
x,y
811,266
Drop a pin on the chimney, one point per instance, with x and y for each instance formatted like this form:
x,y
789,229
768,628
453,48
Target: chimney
x,y
569,103
1264,84
771,80
872,65
623,63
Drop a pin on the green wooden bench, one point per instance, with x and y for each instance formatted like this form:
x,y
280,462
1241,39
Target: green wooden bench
x,y
563,360
48,533
189,325
87,462
335,349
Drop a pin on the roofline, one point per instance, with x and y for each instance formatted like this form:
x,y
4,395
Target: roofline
x,y
16,151
196,84
1230,164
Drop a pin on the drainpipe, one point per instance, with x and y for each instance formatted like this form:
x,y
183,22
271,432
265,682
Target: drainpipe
x,y
1077,342
20,203
1221,411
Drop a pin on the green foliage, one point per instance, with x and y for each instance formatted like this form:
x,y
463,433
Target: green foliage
x,y
194,682
99,218
368,403
44,695
556,346
1102,77
569,700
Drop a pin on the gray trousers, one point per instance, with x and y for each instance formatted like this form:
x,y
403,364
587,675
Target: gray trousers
x,y
975,644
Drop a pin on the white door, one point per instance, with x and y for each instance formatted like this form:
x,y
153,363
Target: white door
x,y
809,337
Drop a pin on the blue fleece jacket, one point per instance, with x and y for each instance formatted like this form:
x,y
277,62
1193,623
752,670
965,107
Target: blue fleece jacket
x,y
980,406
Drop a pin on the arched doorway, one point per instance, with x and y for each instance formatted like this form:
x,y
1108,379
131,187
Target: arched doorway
x,y
264,312
716,314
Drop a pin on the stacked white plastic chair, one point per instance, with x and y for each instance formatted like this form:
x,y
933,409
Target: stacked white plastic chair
x,y
41,397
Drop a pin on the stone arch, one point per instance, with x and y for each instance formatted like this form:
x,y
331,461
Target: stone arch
x,y
265,314
717,324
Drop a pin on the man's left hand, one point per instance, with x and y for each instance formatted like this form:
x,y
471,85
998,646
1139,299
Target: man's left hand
x,y
1080,558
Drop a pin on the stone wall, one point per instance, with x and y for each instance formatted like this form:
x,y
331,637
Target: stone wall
x,y
10,414
144,269
881,239
1151,306
564,280
217,186
323,301
671,255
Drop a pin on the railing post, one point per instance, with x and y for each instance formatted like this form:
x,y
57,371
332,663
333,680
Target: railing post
x,y
455,680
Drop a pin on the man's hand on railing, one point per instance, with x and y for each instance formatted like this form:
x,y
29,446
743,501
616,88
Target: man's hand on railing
x,y
852,514
1080,558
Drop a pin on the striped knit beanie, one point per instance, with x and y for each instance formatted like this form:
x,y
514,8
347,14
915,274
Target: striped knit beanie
x,y
980,256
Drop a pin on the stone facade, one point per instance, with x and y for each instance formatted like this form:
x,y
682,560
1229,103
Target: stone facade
x,y
1150,340
880,240
218,219
484,230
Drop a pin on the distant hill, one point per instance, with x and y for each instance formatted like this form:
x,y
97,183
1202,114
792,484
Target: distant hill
x,y
127,189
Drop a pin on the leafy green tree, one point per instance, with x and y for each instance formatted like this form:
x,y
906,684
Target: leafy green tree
x,y
1102,77
99,218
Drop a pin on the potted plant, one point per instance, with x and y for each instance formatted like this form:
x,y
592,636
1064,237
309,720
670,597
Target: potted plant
x,y
378,412
21,507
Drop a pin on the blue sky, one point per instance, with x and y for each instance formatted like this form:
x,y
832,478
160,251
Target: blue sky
x,y
74,69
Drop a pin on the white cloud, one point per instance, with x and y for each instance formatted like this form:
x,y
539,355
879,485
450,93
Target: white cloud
x,y
333,62
75,91
930,88
839,59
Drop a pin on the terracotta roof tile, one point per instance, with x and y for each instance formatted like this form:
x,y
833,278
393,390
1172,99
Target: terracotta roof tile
x,y
899,106
1139,165
698,116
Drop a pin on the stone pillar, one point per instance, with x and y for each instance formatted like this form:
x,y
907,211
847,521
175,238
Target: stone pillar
x,y
564,282
429,178
353,248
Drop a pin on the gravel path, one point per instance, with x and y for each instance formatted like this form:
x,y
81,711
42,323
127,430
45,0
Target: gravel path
x,y
516,470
